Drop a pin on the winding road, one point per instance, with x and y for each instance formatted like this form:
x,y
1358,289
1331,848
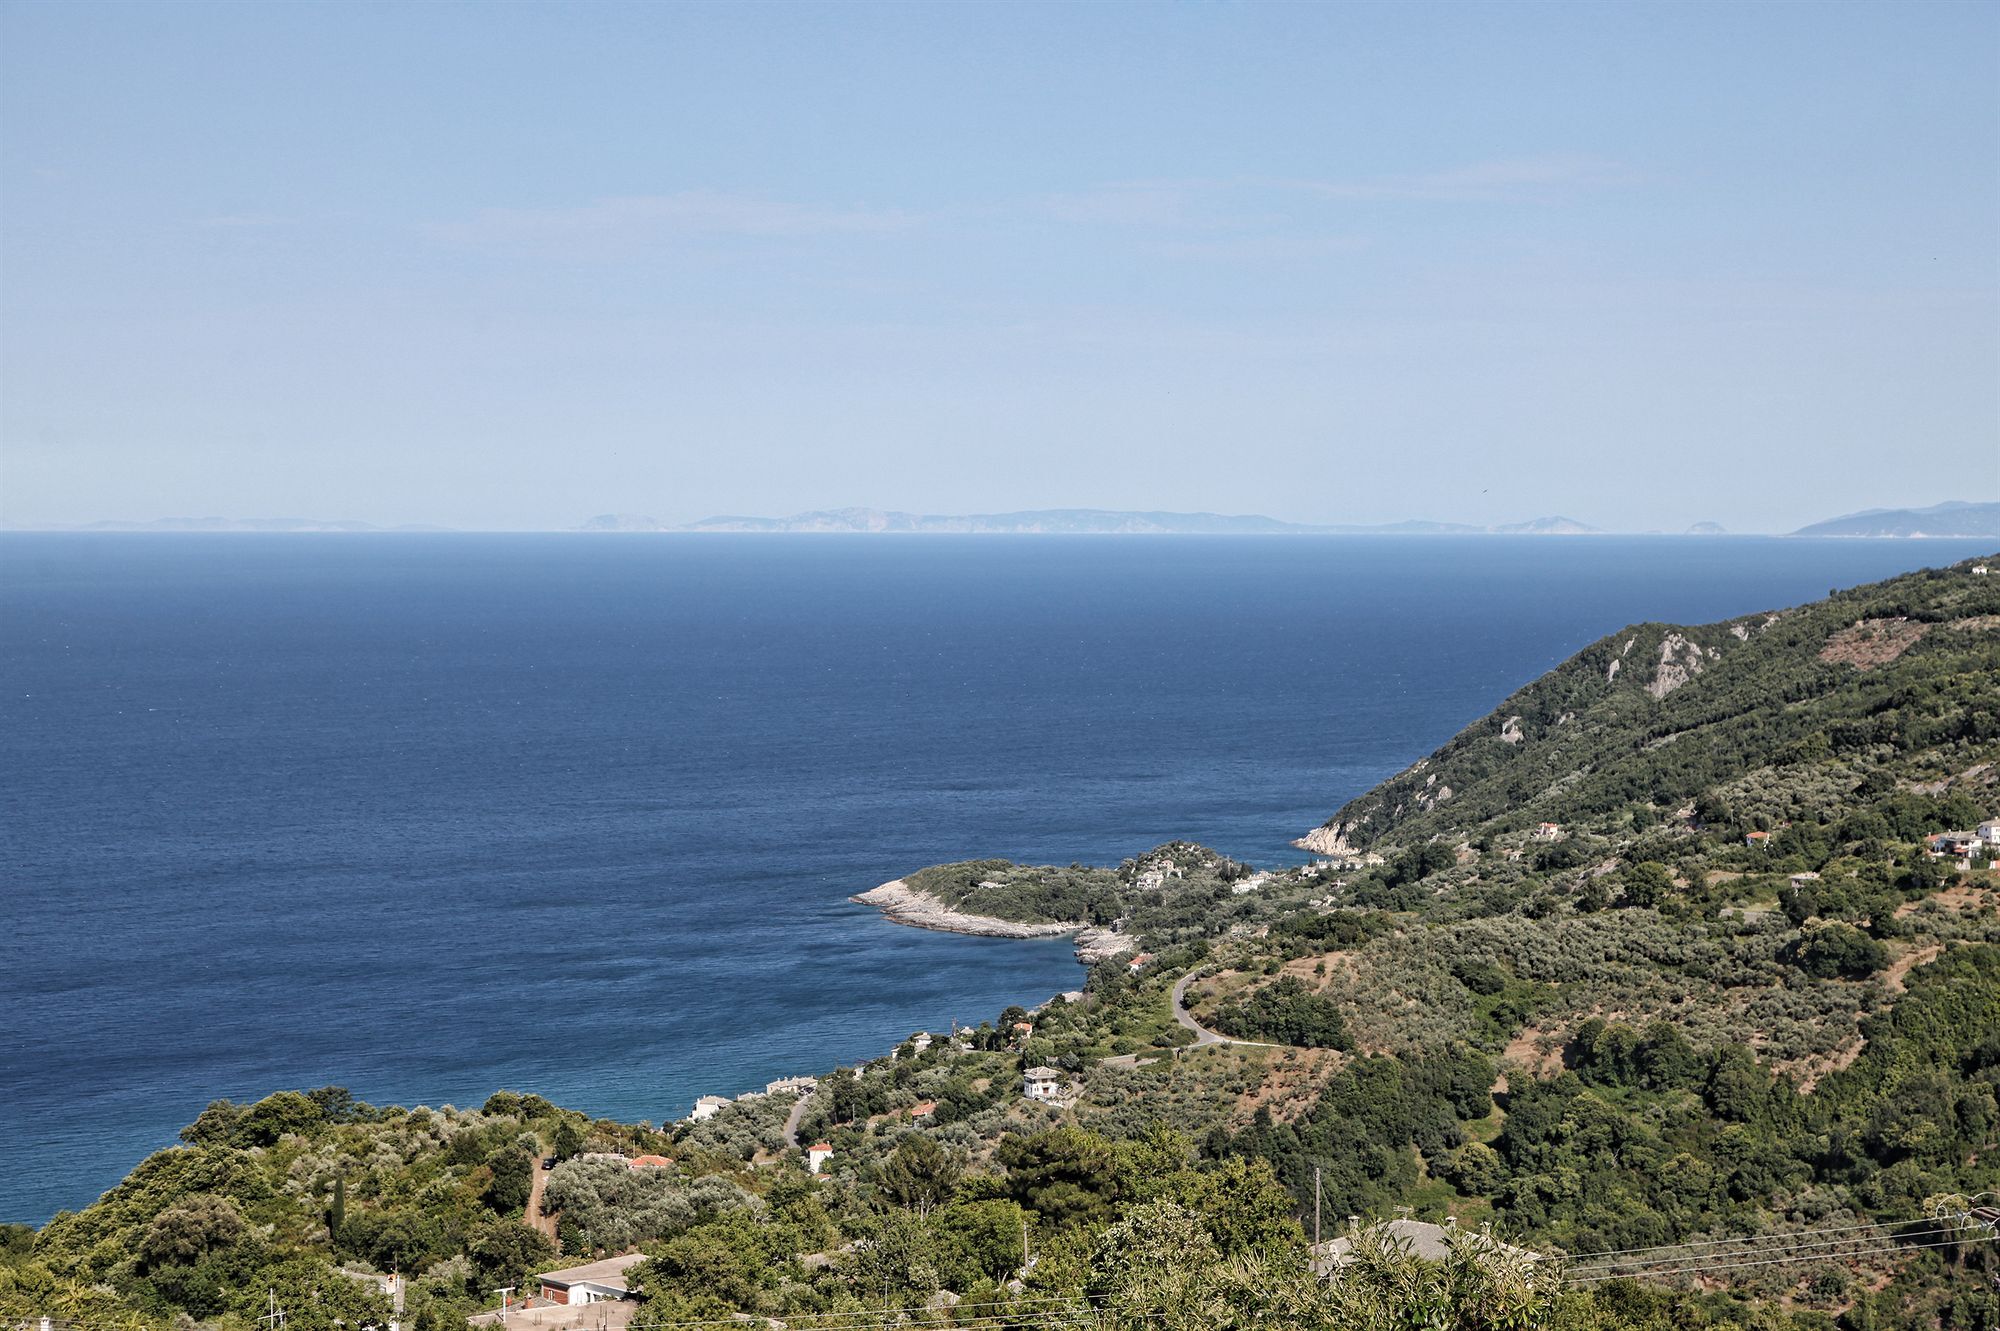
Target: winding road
x,y
1203,1035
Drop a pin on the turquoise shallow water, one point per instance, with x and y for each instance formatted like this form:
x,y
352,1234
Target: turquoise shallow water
x,y
430,815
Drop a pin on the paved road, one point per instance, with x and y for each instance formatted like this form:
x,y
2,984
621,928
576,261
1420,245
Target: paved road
x,y
1203,1035
792,1119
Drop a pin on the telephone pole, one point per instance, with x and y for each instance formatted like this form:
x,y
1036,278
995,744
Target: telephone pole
x,y
1315,1206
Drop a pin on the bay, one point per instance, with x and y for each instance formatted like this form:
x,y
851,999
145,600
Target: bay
x,y
430,815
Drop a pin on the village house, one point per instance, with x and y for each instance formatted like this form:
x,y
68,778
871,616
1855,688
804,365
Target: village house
x,y
792,1086
1757,840
817,1155
1139,963
1419,1238
707,1107
650,1162
593,1282
1953,845
1989,831
1549,832
1043,1084
923,1109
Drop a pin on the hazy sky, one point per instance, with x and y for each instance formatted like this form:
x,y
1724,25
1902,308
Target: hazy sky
x,y
513,265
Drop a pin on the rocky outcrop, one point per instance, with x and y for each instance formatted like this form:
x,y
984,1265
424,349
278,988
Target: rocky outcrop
x,y
1095,945
1680,661
1328,840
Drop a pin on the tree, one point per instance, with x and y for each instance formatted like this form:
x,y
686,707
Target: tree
x,y
981,1239
1239,1203
288,1113
504,1254
1837,950
1065,1175
1150,1266
513,1180
190,1229
567,1139
919,1175
336,1211
1647,883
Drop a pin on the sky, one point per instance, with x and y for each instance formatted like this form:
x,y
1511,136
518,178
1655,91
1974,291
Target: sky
x,y
511,265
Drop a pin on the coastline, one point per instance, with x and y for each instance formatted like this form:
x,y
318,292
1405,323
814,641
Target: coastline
x,y
902,904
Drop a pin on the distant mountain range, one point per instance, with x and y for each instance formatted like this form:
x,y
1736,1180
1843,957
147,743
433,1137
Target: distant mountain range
x,y
1954,518
1077,521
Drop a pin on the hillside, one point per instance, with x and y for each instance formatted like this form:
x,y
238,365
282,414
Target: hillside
x,y
1887,683
1659,971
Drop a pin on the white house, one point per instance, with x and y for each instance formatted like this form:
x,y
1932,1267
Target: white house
x,y
1044,1084
1989,831
817,1155
593,1282
708,1107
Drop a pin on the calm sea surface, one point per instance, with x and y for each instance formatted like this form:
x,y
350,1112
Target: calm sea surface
x,y
427,816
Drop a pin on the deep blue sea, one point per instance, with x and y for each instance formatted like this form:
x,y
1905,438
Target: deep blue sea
x,y
426,816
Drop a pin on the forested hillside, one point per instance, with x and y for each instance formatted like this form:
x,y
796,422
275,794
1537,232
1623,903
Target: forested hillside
x,y
1660,974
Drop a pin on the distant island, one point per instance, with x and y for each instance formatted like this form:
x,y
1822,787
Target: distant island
x,y
1955,518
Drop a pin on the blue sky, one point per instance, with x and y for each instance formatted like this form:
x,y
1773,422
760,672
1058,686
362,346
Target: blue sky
x,y
513,265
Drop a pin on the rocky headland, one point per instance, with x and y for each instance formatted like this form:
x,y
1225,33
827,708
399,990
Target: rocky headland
x,y
904,904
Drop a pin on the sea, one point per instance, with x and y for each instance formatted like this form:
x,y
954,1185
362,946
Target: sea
x,y
430,815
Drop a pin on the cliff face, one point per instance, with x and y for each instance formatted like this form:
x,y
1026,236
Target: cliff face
x,y
1872,672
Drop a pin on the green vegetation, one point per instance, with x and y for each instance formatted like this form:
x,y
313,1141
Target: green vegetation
x,y
1637,1027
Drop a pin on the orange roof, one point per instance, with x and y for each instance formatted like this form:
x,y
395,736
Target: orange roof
x,y
1756,836
821,1146
921,1108
650,1162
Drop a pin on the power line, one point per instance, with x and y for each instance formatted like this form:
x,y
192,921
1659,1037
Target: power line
x,y
1808,1240
1698,1270
1744,1238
